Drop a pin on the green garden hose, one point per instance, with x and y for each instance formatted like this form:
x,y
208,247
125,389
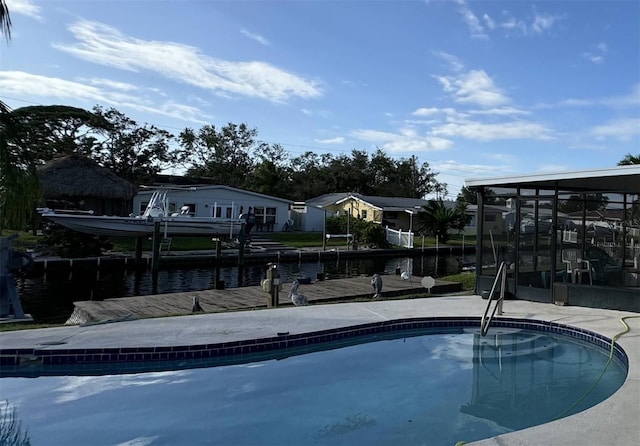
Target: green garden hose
x,y
611,350
590,389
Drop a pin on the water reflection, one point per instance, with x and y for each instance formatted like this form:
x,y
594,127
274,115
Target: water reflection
x,y
50,297
11,431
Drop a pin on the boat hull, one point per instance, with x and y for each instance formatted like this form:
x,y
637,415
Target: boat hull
x,y
136,226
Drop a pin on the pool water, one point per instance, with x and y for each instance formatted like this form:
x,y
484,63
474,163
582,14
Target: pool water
x,y
436,388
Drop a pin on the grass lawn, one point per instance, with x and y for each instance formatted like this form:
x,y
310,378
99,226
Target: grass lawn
x,y
26,240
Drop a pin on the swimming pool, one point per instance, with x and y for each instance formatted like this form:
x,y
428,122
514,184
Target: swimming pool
x,y
427,381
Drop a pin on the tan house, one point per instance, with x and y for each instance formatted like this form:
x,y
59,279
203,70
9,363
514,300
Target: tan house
x,y
394,212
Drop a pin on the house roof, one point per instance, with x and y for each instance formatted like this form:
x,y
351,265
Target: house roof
x,y
382,203
326,199
81,177
211,187
620,179
387,203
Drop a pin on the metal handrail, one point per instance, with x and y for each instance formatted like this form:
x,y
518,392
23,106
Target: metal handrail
x,y
486,321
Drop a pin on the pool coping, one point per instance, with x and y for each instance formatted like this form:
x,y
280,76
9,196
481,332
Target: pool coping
x,y
614,421
34,362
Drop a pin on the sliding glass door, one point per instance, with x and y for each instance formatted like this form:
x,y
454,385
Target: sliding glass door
x,y
535,247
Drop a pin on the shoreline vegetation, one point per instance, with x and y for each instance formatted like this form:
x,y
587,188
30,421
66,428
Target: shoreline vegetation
x,y
28,242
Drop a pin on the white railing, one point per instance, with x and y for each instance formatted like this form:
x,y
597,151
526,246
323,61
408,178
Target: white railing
x,y
399,237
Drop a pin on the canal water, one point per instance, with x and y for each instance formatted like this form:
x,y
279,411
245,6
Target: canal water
x,y
49,297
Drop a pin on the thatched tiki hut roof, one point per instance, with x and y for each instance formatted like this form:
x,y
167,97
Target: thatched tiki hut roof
x,y
75,181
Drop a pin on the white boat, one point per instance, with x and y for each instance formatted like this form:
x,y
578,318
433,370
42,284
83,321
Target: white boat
x,y
156,212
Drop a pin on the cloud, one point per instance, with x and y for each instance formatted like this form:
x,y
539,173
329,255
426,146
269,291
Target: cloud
x,y
116,85
105,45
597,54
543,22
404,141
257,37
472,21
510,23
594,58
491,24
496,131
454,63
336,140
426,111
538,24
103,91
140,441
620,129
24,7
74,388
499,111
632,99
474,87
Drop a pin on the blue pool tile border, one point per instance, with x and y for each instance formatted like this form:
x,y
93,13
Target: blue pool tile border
x,y
18,362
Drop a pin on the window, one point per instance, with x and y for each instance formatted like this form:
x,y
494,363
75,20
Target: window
x,y
259,211
271,216
229,213
363,213
216,211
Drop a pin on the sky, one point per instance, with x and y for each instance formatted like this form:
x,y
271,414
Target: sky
x,y
474,88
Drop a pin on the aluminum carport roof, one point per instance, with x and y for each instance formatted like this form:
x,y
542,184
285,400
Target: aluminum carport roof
x,y
621,179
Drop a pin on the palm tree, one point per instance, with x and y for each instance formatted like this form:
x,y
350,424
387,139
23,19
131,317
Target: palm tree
x,y
5,20
5,28
630,159
18,182
436,219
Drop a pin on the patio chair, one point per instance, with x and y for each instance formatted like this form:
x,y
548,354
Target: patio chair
x,y
576,265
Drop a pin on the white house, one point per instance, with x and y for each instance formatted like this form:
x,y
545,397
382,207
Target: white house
x,y
309,218
272,213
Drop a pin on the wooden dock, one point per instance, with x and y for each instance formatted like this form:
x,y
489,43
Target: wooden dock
x,y
245,298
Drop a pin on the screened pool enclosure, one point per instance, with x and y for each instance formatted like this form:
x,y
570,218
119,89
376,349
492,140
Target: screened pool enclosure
x,y
570,238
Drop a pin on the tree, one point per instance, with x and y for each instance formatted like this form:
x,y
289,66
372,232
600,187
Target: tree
x,y
5,29
629,159
46,131
19,184
15,180
436,219
310,176
5,20
31,136
223,155
270,175
135,153
349,174
416,181
576,202
467,196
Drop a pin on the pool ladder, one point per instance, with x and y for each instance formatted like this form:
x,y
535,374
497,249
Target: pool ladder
x,y
486,319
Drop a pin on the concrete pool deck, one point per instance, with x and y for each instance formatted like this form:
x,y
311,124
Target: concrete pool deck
x,y
615,421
